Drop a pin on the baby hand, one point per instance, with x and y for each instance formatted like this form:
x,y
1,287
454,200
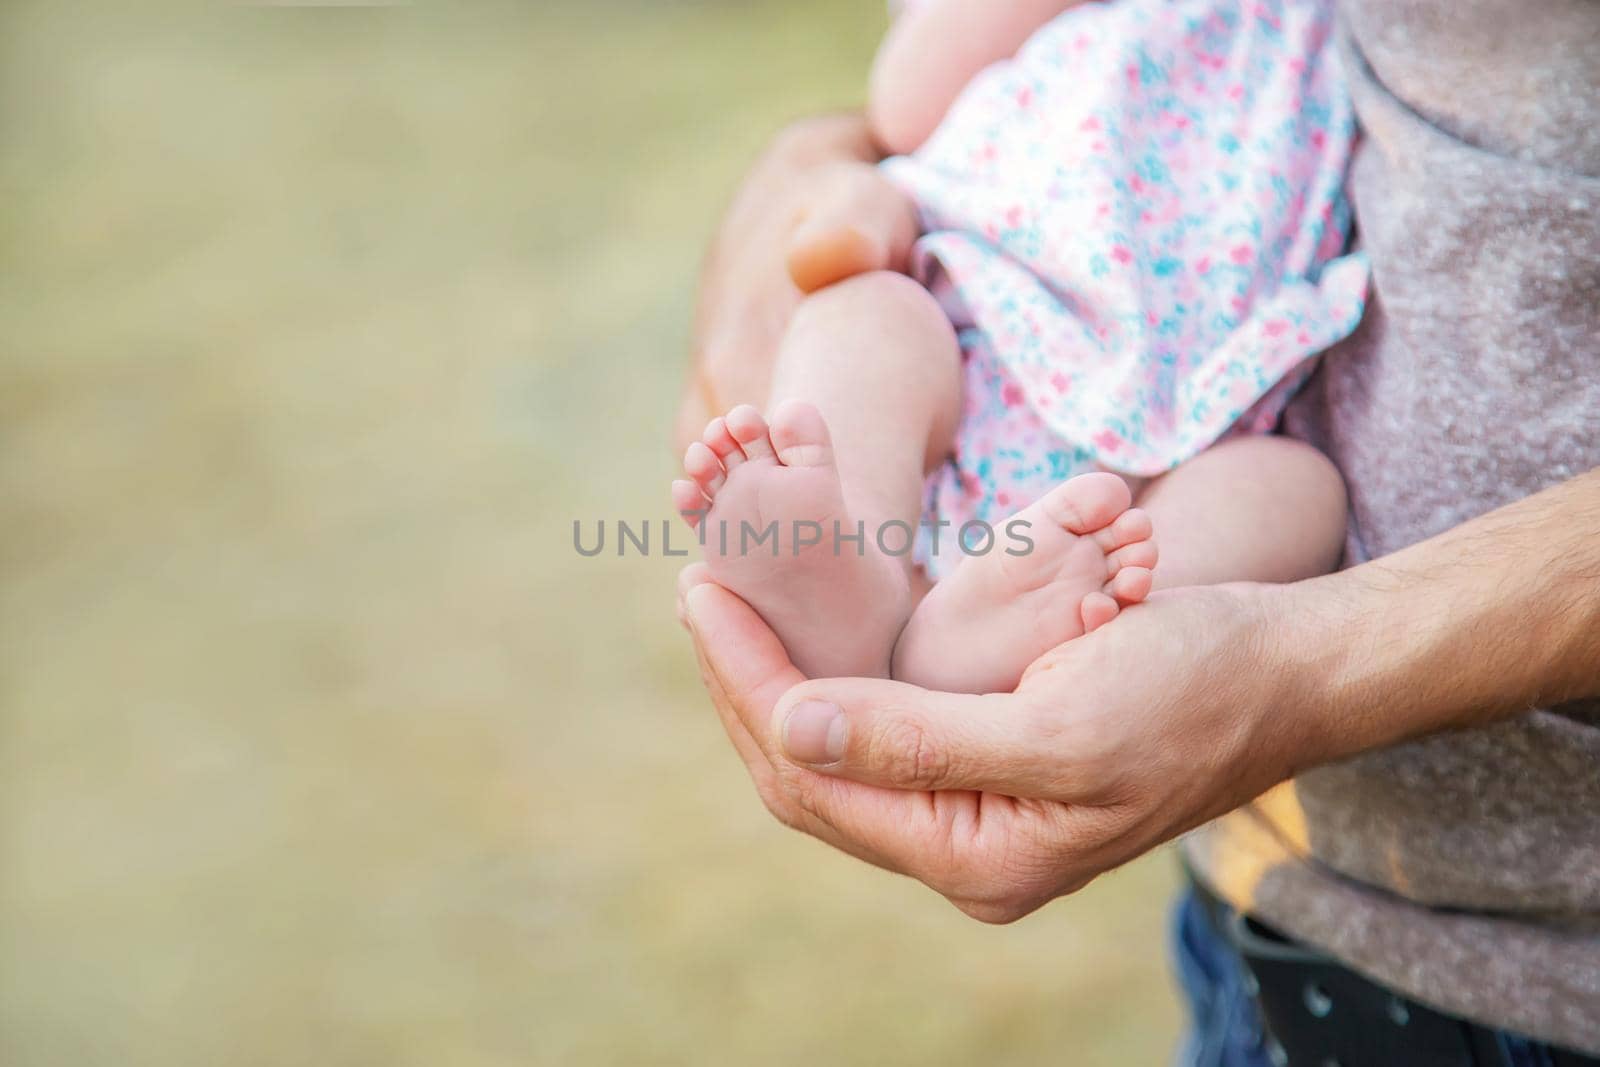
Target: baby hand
x,y
856,221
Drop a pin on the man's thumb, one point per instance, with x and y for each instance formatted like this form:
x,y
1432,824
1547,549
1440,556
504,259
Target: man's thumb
x,y
897,735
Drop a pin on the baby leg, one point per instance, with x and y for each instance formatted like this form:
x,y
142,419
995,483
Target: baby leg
x,y
1251,509
865,398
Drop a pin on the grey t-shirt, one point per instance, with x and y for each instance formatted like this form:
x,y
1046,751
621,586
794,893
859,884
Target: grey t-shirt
x,y
1462,869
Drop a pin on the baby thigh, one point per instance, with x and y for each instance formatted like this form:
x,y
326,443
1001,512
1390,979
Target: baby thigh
x,y
1250,509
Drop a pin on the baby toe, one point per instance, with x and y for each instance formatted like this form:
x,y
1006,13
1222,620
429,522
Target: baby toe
x,y
1138,554
1128,528
701,464
800,435
1130,585
750,430
1087,503
688,501
1096,610
720,441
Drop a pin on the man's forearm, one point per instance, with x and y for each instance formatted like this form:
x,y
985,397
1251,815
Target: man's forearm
x,y
1494,617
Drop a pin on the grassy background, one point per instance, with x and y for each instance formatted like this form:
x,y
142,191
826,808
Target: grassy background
x,y
320,745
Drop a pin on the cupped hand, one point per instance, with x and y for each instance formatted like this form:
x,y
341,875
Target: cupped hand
x,y
1113,743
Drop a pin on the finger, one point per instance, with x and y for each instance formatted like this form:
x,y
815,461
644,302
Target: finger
x,y
742,651
736,652
901,737
742,657
692,575
745,668
888,828
994,857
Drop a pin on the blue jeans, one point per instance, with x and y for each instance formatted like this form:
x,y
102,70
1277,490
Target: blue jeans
x,y
1225,1029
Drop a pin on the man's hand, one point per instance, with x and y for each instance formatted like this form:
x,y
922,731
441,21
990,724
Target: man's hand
x,y
1112,744
1179,710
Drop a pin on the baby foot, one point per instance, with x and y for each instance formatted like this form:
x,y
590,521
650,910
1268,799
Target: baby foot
x,y
980,628
857,222
836,605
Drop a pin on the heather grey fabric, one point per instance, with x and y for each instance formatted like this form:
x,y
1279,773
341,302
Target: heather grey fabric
x,y
1462,869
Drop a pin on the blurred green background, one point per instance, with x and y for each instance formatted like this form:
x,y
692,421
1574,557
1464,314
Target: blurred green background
x,y
320,744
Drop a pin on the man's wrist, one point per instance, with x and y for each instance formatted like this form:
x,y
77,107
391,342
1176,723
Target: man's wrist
x,y
1496,616
1316,683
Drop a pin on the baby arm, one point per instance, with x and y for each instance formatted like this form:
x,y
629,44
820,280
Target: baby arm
x,y
933,50
856,221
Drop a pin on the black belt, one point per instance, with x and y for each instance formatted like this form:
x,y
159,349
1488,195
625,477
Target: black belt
x,y
1320,1013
